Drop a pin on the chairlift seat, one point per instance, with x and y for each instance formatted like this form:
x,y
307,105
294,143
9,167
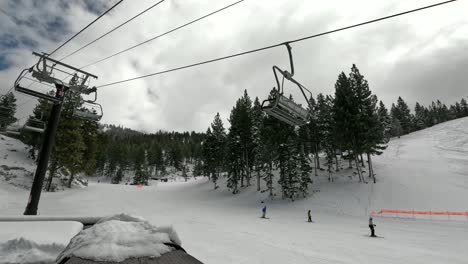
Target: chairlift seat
x,y
34,125
87,115
89,111
287,111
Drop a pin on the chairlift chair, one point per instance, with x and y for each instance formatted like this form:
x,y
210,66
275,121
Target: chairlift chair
x,y
281,107
13,130
89,110
34,125
45,72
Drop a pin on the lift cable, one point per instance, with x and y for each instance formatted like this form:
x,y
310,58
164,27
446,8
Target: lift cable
x,y
163,34
112,30
276,45
83,29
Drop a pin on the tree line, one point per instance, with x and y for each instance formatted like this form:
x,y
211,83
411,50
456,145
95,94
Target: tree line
x,y
256,149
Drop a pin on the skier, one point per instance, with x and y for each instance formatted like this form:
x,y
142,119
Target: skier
x,y
309,216
264,211
371,226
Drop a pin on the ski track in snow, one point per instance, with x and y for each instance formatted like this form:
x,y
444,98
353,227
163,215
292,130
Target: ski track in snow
x,y
425,170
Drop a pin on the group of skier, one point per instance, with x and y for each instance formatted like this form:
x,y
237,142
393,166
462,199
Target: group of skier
x,y
309,219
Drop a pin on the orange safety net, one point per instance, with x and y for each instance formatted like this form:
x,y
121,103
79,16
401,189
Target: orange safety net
x,y
412,212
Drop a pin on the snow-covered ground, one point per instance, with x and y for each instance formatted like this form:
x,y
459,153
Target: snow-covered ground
x,y
17,168
426,170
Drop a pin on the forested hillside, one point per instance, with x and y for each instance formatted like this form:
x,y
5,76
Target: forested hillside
x,y
350,125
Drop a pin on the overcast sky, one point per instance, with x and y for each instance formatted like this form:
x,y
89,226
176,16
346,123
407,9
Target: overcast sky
x,y
422,56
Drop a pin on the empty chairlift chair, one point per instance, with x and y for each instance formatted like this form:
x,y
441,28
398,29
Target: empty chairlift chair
x,y
34,125
52,73
89,110
281,107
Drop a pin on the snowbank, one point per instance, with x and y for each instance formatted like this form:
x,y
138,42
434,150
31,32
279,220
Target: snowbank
x,y
22,250
120,237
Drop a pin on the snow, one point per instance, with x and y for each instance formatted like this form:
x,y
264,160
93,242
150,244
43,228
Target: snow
x,y
17,169
27,242
120,237
25,251
425,170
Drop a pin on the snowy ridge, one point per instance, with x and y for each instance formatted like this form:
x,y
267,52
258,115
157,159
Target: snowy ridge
x,y
21,250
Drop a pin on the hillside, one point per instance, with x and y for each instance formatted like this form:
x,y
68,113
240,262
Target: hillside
x,y
17,168
421,171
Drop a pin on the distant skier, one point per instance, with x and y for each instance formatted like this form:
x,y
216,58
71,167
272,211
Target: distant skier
x,y
371,226
309,216
264,211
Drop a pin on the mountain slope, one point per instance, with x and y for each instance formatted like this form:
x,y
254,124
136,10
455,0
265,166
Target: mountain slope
x,y
423,171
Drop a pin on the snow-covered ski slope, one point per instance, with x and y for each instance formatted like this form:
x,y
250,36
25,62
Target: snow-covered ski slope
x,y
426,170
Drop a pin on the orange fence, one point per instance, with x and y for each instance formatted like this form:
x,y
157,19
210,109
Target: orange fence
x,y
412,212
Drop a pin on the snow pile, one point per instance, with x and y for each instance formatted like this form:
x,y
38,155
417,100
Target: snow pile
x,y
120,237
21,250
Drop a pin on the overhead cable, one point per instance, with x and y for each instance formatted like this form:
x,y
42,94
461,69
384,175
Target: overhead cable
x,y
112,30
277,45
163,34
83,29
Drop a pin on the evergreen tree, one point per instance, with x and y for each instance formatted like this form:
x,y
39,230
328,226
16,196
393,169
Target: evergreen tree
x,y
419,117
141,167
218,148
69,144
118,177
7,110
257,126
304,170
463,107
385,119
401,112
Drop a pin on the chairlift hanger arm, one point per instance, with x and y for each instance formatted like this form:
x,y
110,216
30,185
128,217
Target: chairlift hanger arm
x,y
45,57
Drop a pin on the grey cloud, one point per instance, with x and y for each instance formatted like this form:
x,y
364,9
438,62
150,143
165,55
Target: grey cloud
x,y
389,54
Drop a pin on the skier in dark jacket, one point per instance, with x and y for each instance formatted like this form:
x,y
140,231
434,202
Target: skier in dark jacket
x,y
264,212
309,216
371,226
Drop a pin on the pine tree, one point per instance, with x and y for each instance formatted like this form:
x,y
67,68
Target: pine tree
x,y
141,167
401,112
463,107
304,170
257,126
385,119
218,147
7,110
69,144
118,177
419,117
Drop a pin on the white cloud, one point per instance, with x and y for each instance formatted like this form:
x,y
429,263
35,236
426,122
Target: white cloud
x,y
394,55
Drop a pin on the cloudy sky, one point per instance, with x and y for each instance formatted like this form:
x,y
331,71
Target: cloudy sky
x,y
421,57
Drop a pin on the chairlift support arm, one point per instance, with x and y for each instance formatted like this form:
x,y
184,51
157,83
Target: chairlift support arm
x,y
45,57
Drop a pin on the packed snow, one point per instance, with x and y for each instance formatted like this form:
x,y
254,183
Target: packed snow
x,y
425,170
118,238
21,250
29,242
